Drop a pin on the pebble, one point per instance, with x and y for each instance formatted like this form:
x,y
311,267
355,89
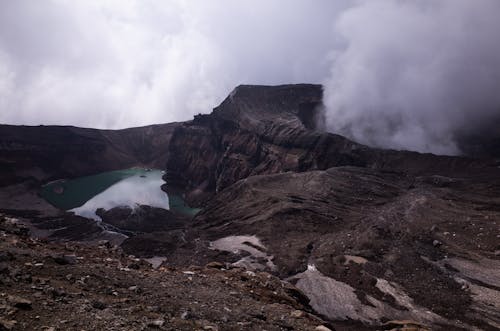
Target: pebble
x,y
98,305
186,315
135,289
297,314
19,302
321,328
156,323
215,265
66,259
134,266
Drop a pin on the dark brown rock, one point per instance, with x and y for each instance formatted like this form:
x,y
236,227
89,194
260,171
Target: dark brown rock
x,y
142,219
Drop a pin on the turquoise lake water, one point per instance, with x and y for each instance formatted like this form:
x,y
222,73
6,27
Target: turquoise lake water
x,y
127,187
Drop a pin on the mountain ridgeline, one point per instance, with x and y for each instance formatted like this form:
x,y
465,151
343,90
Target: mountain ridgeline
x,y
369,237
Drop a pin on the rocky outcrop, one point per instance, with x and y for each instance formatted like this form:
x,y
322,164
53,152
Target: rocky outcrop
x,y
43,153
272,129
380,243
141,219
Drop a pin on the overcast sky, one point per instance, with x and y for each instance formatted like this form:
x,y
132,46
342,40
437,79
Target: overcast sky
x,y
397,73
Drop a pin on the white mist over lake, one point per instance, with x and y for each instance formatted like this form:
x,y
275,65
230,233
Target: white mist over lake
x,y
141,189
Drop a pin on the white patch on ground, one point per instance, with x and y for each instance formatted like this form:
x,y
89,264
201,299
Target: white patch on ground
x,y
338,300
354,259
156,261
405,300
486,271
249,244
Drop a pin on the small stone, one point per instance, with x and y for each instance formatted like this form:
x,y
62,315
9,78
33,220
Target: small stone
x,y
186,315
98,305
321,328
57,292
156,323
19,302
104,243
134,266
436,243
66,259
297,314
215,265
135,289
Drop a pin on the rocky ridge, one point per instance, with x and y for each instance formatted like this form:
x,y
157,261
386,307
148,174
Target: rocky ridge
x,y
368,235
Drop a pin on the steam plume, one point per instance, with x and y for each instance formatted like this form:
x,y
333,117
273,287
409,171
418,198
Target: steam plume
x,y
416,74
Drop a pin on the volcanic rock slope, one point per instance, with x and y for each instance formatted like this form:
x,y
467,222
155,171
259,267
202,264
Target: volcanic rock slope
x,y
70,286
369,235
43,153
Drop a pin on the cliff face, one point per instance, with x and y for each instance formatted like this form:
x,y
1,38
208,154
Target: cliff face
x,y
255,130
44,153
273,129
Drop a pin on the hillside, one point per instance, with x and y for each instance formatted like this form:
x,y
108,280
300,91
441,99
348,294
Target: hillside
x,y
367,235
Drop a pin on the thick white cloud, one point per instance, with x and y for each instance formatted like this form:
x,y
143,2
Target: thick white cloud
x,y
416,74
397,73
115,64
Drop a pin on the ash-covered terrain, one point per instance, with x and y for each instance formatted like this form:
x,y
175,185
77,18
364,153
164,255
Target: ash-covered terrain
x,y
364,238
